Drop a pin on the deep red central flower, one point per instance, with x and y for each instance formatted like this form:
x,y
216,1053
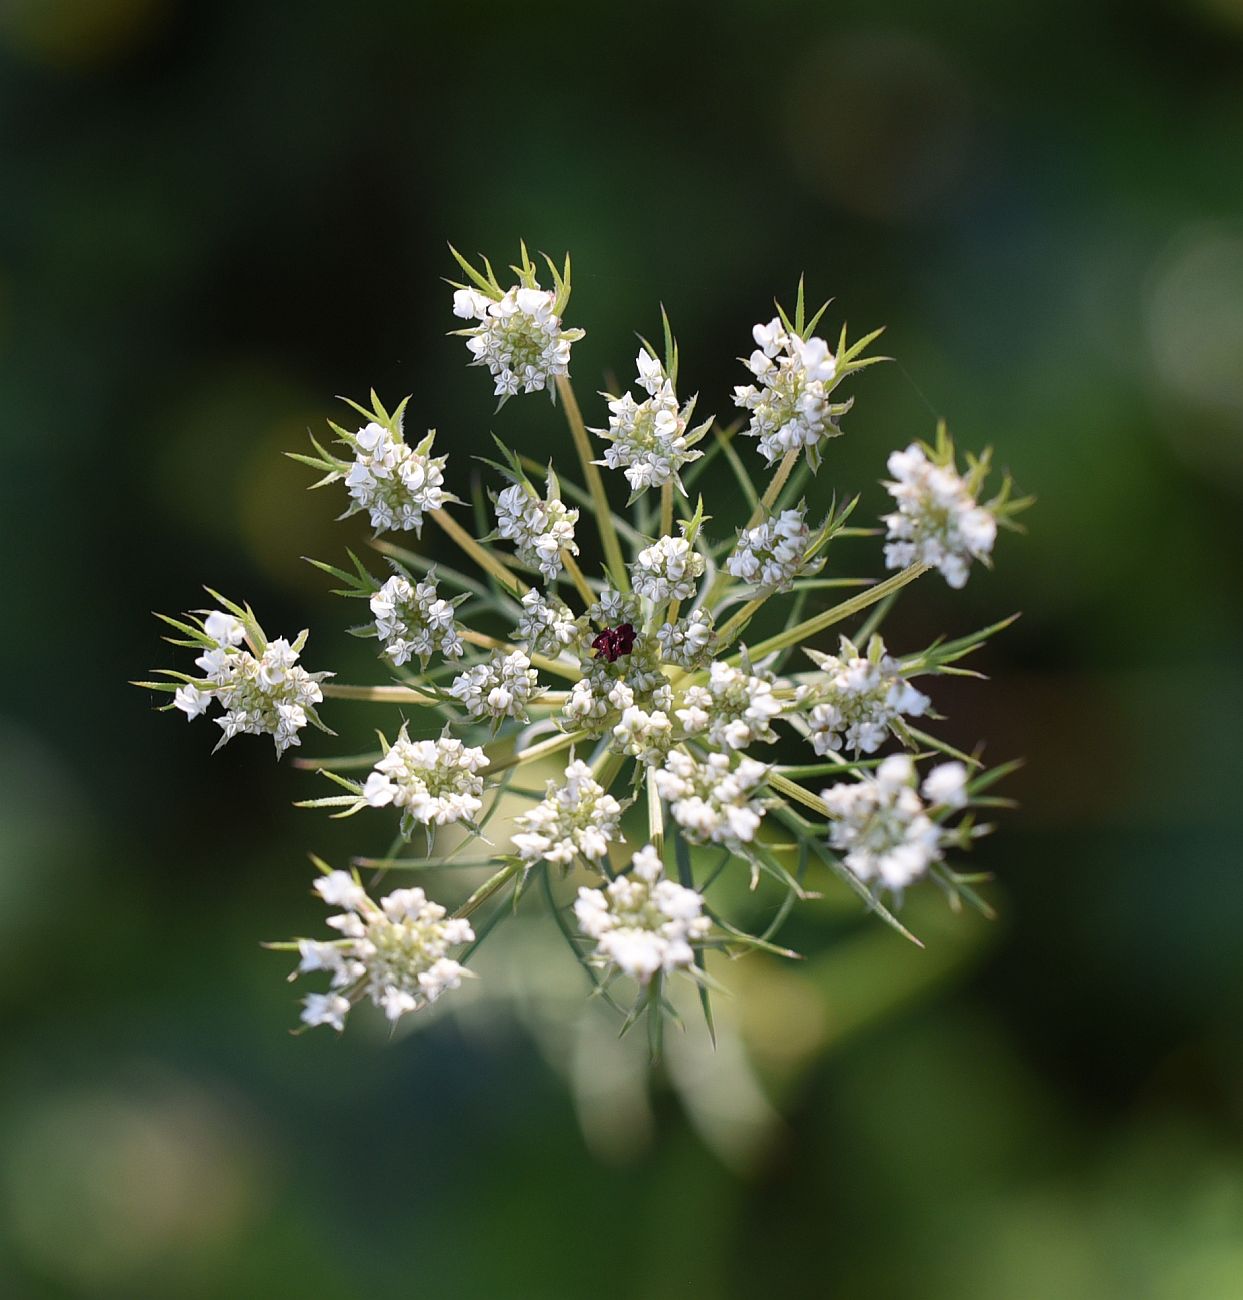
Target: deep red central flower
x,y
614,641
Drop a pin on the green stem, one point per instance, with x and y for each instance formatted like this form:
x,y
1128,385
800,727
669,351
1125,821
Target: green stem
x,y
488,888
376,694
595,485
847,609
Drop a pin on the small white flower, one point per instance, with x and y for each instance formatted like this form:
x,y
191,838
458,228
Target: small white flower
x,y
577,817
412,620
938,521
393,952
789,406
710,798
340,889
192,701
689,642
733,711
224,629
500,688
539,529
946,785
772,554
519,338
643,923
650,440
547,626
433,782
667,570
882,825
395,483
856,700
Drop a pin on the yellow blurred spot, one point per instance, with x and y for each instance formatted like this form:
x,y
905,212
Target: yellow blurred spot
x,y
77,33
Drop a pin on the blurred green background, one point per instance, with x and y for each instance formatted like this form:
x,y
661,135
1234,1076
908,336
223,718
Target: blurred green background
x,y
215,217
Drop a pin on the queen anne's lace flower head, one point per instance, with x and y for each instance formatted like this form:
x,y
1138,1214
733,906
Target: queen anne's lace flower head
x,y
938,520
855,700
539,529
883,825
711,797
500,688
393,952
265,694
396,484
433,782
642,923
789,403
650,440
412,620
667,570
576,818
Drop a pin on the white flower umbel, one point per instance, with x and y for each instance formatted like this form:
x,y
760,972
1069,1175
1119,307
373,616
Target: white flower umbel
x,y
711,797
643,923
883,826
773,553
575,818
689,642
264,693
613,608
395,483
411,620
938,520
789,403
650,440
733,711
855,700
500,688
433,782
395,952
539,529
667,570
519,337
547,625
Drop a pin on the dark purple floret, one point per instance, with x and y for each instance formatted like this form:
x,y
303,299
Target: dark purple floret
x,y
614,641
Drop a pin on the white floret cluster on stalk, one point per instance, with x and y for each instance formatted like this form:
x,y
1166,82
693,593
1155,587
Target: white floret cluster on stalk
x,y
413,621
394,952
641,922
261,693
885,829
650,440
615,663
577,817
433,782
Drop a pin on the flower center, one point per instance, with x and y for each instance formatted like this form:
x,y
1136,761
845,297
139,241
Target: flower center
x,y
614,641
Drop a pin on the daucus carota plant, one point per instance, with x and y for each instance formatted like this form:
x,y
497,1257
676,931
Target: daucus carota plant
x,y
580,698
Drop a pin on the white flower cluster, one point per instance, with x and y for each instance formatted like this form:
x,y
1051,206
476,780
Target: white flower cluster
x,y
539,529
649,439
411,619
519,337
644,734
395,483
938,521
643,923
883,825
858,699
393,952
546,625
734,710
610,688
433,782
500,688
667,570
689,642
270,695
579,817
790,408
613,608
710,799
773,553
